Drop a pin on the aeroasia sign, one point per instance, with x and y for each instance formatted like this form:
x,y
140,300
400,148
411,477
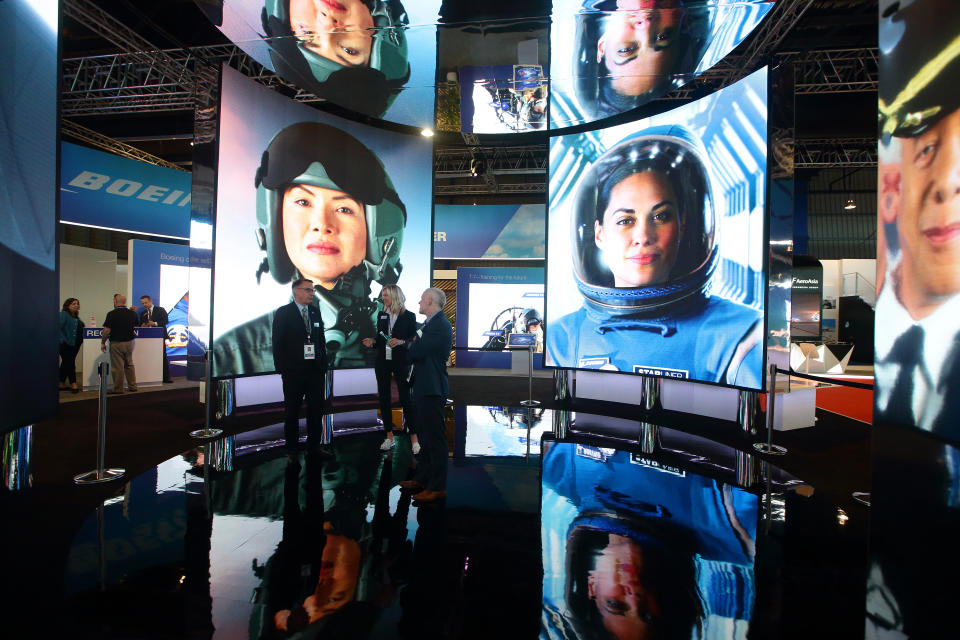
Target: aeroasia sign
x,y
103,190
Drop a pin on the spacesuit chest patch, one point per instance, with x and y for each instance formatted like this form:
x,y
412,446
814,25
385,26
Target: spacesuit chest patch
x,y
662,372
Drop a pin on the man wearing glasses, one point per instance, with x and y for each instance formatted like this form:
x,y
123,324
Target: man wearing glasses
x,y
300,356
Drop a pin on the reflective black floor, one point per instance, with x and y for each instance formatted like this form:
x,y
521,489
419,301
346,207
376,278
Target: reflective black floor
x,y
646,533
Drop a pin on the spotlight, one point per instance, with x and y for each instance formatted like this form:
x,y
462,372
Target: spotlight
x,y
851,205
477,167
426,133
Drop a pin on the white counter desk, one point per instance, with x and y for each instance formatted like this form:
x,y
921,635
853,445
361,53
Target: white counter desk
x,y
147,356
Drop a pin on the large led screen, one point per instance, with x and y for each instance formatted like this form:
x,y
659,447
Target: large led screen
x,y
655,249
303,193
917,338
637,549
610,56
28,201
376,57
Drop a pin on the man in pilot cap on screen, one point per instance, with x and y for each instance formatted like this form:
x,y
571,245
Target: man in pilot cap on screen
x,y
918,309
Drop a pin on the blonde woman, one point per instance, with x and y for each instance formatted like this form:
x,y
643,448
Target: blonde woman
x,y
395,325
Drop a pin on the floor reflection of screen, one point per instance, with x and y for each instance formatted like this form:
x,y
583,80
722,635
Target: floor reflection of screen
x,y
634,549
503,431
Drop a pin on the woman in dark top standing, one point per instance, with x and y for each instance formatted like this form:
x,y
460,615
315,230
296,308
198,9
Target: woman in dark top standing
x,y
71,337
395,325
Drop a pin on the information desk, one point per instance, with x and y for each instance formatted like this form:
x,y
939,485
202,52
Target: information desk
x,y
147,356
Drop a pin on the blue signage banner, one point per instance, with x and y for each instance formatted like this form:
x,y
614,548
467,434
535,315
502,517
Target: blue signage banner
x,y
496,232
111,192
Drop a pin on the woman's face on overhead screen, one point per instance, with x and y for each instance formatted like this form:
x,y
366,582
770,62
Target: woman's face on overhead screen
x,y
639,46
324,232
339,30
640,230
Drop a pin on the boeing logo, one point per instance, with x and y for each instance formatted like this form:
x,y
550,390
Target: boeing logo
x,y
130,188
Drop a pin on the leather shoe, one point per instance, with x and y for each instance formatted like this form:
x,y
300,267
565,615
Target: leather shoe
x,y
429,496
410,484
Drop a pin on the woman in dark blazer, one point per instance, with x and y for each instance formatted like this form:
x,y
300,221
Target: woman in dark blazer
x,y
398,325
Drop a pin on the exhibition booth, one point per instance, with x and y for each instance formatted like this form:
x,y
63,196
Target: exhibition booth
x,y
657,288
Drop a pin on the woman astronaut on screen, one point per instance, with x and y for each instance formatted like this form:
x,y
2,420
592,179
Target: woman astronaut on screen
x,y
352,52
327,211
629,52
644,250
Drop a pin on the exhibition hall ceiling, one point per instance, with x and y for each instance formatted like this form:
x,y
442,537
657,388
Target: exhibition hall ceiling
x,y
831,42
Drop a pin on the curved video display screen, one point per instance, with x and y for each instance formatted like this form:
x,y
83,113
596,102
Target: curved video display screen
x,y
375,57
655,242
301,193
642,550
610,56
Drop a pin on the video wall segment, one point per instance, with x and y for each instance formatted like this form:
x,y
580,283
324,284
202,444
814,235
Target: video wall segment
x,y
656,242
28,199
610,56
637,549
303,193
917,340
376,57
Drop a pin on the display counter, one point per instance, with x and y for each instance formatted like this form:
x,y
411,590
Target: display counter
x,y
147,356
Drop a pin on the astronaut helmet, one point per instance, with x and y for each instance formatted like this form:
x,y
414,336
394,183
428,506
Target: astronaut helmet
x,y
655,182
605,86
323,156
368,87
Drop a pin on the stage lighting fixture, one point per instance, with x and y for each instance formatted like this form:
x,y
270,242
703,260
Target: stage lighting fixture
x,y
477,167
851,205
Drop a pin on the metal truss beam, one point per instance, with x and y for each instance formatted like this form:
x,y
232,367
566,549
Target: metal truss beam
x,y
482,189
454,162
826,152
102,23
101,141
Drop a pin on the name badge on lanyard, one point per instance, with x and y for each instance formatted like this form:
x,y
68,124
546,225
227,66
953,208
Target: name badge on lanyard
x,y
309,352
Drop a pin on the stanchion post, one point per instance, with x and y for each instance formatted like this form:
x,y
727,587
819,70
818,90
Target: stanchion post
x,y
770,448
101,474
206,431
530,402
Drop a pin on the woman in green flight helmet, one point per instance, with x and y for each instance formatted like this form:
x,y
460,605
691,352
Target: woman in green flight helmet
x,y
352,52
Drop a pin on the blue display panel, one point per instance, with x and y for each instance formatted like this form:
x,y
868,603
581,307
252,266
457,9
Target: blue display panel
x,y
496,232
656,242
304,193
28,199
642,549
102,190
610,56
376,57
493,304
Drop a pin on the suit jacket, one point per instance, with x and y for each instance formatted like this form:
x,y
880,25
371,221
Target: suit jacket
x,y
289,336
157,314
429,354
403,329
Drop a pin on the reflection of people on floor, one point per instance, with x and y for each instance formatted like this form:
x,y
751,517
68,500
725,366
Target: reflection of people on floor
x,y
917,339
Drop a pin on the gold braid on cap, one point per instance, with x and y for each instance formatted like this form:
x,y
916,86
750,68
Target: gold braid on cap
x,y
918,83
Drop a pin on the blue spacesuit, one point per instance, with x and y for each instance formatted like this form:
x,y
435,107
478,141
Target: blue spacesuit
x,y
647,304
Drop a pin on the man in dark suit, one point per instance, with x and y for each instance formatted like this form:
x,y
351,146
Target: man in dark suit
x,y
428,353
154,316
300,356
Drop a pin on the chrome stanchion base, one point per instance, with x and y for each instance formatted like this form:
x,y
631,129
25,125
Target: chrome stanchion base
x,y
94,477
205,433
772,450
863,497
530,403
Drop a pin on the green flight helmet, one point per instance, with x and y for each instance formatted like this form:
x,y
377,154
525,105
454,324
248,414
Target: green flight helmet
x,y
323,156
369,90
